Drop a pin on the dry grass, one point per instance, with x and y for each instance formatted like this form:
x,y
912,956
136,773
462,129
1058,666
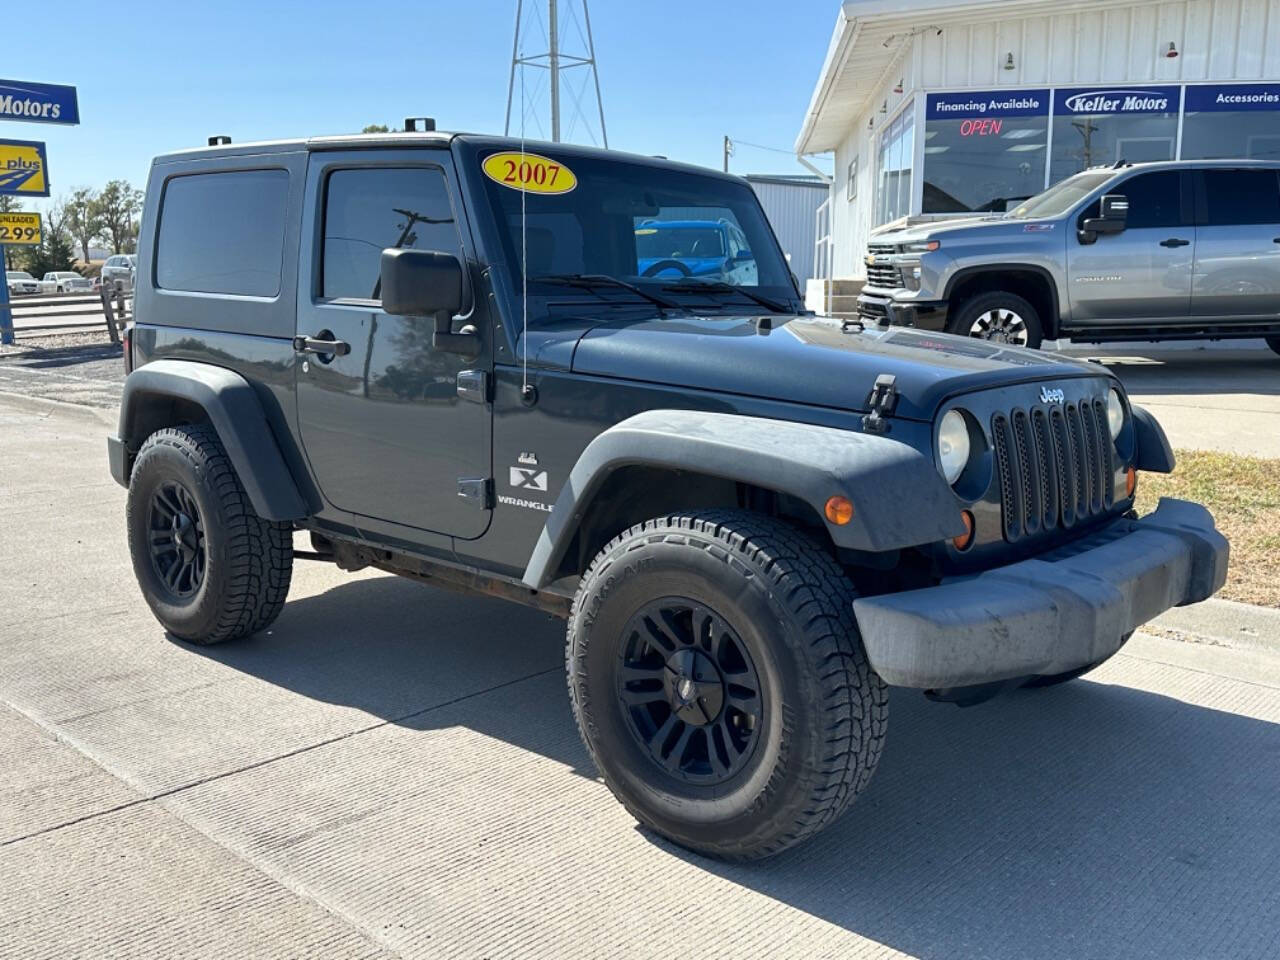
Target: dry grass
x,y
1243,493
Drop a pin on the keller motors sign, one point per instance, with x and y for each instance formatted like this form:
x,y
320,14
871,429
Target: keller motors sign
x,y
38,102
1117,100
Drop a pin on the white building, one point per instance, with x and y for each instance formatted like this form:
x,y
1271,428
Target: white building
x,y
944,107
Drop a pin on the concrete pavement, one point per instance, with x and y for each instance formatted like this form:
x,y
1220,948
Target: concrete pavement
x,y
393,770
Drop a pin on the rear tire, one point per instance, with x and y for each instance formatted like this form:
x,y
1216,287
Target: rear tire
x,y
999,317
209,567
1274,343
783,719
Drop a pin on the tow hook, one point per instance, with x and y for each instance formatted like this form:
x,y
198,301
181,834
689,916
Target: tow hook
x,y
882,401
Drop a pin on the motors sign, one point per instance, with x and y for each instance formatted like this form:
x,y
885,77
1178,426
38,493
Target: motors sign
x,y
1118,100
38,102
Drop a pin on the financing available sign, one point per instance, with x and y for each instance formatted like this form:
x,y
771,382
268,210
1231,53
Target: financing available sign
x,y
23,169
19,227
38,102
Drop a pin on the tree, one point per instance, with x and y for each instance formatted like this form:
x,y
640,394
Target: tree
x,y
118,207
82,219
53,253
376,128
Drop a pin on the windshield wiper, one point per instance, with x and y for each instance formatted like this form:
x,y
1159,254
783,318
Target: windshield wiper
x,y
719,286
590,281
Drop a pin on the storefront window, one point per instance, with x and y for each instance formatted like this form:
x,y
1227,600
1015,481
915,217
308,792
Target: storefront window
x,y
897,150
1094,126
1239,121
984,152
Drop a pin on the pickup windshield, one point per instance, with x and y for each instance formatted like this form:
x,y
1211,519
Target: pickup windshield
x,y
1061,197
663,234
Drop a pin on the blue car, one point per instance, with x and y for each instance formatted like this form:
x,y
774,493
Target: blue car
x,y
715,249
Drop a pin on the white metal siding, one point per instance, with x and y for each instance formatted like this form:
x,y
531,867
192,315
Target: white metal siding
x,y
1217,40
791,208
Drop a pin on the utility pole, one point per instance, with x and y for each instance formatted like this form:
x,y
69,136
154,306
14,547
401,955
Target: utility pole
x,y
728,152
565,18
553,54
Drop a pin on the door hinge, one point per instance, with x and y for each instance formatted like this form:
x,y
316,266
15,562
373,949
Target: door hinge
x,y
478,490
473,385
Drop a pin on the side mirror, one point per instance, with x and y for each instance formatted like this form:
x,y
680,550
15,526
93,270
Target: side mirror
x,y
427,283
1113,215
742,256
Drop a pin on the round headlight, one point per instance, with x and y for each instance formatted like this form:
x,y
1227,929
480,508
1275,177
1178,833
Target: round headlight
x,y
953,445
1115,413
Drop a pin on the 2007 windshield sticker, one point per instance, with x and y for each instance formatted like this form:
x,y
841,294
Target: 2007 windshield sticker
x,y
529,172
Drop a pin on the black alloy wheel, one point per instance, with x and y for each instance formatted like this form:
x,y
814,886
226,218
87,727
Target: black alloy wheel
x,y
179,555
689,691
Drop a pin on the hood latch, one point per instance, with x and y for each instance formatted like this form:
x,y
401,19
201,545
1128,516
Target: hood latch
x,y
883,400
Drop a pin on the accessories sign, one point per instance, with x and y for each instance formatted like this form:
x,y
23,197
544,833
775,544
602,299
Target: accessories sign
x,y
1222,98
38,102
23,169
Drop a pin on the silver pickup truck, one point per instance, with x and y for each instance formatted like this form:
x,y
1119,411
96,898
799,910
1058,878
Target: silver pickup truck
x,y
1153,251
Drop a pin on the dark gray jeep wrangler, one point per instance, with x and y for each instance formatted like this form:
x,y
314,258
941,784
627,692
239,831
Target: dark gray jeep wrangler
x,y
585,381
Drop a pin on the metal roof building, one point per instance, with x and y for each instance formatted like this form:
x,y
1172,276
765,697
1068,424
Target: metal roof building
x,y
935,108
791,203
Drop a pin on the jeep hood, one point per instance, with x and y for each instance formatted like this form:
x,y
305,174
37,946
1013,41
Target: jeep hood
x,y
810,360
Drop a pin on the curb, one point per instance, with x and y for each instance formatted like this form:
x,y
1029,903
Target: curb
x,y
98,415
1223,623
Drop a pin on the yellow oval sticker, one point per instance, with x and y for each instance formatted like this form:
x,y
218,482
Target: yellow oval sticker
x,y
529,172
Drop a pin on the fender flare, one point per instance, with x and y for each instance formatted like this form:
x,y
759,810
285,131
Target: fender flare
x,y
1052,325
899,499
235,412
1152,450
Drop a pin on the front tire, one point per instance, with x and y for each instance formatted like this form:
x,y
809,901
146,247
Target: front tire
x,y
720,684
209,567
1000,317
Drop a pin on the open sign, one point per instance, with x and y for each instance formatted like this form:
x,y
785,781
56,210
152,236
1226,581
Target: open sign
x,y
986,127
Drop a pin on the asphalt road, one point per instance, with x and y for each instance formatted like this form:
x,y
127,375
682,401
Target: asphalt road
x,y
393,771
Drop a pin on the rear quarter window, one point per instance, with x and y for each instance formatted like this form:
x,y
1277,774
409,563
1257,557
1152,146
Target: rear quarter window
x,y
223,233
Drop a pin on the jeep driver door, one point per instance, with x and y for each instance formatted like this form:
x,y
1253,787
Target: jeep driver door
x,y
1142,273
385,431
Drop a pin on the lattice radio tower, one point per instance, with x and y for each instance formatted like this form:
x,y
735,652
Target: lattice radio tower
x,y
567,27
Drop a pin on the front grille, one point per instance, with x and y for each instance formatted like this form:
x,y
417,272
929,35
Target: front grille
x,y
883,274
1055,465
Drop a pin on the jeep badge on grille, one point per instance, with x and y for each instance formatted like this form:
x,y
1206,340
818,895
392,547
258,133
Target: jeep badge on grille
x,y
1051,396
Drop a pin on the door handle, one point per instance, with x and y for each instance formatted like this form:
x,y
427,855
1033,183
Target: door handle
x,y
1174,242
338,348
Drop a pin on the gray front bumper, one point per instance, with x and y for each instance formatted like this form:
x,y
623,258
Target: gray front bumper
x,y
1051,614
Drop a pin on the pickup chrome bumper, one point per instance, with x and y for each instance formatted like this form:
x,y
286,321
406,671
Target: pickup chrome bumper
x,y
1069,608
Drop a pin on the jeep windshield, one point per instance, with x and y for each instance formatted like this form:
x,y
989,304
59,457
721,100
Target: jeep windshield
x,y
662,234
1061,197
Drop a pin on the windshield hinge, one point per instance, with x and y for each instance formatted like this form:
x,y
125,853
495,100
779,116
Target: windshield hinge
x,y
883,400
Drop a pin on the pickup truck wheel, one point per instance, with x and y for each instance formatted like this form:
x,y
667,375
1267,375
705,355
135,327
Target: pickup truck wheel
x,y
1274,343
720,684
1053,679
209,567
1000,317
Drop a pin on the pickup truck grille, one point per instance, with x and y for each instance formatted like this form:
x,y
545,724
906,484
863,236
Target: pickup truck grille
x,y
1056,466
882,274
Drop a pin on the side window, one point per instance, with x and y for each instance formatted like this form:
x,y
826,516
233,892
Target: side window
x,y
1155,199
1240,197
368,210
222,233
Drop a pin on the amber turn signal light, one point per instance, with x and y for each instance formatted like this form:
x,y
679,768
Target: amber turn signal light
x,y
1130,481
962,542
839,510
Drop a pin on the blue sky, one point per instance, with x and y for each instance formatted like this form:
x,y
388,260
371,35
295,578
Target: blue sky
x,y
677,75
